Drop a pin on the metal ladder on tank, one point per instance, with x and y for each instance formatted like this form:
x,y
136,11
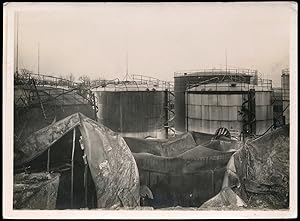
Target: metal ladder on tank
x,y
169,113
248,114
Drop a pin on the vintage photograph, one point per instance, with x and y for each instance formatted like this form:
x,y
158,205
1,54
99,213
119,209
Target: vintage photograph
x,y
150,108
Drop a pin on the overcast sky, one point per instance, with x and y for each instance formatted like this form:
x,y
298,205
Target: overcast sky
x,y
160,38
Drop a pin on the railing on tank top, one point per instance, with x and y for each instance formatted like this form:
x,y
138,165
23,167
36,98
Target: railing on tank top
x,y
217,71
258,85
44,80
137,82
55,82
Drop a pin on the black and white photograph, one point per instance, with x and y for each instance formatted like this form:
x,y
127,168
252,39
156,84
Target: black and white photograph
x,y
150,110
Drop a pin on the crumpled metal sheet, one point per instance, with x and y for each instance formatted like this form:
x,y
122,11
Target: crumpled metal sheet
x,y
41,140
225,198
35,191
112,165
177,145
194,160
259,171
162,147
223,145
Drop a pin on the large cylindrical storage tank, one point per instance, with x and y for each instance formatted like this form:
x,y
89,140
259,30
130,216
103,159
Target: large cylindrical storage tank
x,y
180,85
183,79
209,109
211,106
263,111
285,85
133,113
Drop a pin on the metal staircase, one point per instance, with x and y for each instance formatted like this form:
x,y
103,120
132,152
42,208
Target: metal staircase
x,y
248,114
169,113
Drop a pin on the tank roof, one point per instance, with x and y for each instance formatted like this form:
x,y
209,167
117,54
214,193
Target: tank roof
x,y
286,71
217,71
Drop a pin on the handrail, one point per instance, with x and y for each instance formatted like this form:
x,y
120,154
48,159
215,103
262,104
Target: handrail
x,y
138,80
213,71
42,79
260,85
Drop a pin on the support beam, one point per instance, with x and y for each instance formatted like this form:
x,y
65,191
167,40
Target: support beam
x,y
72,167
48,161
85,184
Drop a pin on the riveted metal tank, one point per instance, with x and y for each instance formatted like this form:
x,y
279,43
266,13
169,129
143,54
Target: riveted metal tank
x,y
133,108
183,79
237,106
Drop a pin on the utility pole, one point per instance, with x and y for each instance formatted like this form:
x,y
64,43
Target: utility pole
x,y
126,65
17,47
38,64
226,59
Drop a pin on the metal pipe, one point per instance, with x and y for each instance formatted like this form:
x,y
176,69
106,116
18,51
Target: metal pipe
x,y
72,167
48,160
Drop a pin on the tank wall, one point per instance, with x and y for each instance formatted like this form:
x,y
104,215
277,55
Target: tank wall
x,y
180,86
208,112
132,113
184,190
263,111
277,106
285,85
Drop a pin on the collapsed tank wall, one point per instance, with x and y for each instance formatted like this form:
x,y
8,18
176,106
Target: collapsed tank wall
x,y
186,190
132,113
57,104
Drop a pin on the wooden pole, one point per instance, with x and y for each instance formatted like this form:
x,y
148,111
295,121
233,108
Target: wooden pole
x,y
72,167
